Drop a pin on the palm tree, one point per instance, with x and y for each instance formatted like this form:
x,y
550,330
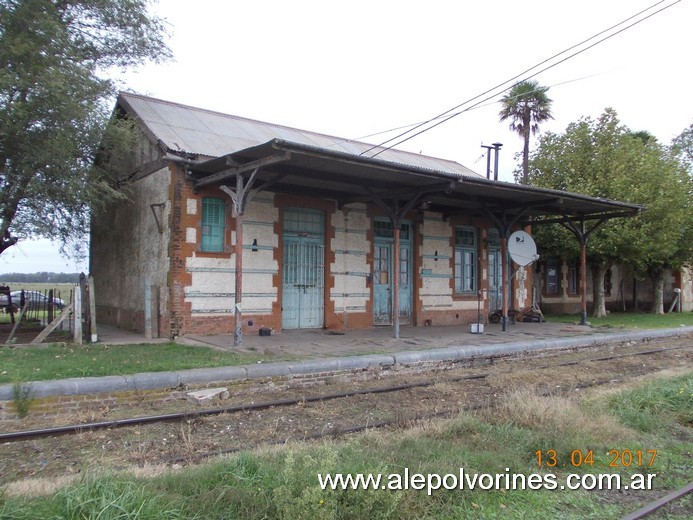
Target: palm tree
x,y
526,105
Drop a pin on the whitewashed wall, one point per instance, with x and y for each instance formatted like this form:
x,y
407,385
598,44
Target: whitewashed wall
x,y
350,268
213,279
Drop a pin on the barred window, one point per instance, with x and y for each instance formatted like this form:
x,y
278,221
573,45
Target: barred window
x,y
212,225
553,273
465,260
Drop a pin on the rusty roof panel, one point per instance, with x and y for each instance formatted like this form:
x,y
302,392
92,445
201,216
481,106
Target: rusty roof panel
x,y
213,134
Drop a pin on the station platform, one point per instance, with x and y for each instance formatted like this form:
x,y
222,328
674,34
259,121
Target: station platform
x,y
318,343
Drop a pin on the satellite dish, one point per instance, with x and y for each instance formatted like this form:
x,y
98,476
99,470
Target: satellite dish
x,y
522,248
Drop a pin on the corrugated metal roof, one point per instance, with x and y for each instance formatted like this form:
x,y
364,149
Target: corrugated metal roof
x,y
213,134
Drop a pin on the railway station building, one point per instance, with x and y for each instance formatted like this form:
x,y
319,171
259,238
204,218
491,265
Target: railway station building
x,y
232,225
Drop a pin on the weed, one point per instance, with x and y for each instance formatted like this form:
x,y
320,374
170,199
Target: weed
x,y
558,418
111,497
23,399
657,405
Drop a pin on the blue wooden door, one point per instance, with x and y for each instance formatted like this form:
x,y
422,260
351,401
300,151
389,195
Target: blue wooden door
x,y
383,283
495,272
303,270
495,280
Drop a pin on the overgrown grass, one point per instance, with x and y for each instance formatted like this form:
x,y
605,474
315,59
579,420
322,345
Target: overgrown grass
x,y
282,482
62,361
630,320
657,406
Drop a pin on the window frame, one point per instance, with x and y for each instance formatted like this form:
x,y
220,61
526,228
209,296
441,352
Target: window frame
x,y
573,278
465,258
213,240
555,264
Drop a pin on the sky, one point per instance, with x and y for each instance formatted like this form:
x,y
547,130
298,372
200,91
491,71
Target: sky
x,y
360,68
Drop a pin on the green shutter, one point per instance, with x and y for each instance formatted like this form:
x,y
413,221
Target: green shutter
x,y
465,260
212,225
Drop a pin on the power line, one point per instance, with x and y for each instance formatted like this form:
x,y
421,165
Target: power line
x,y
410,125
495,88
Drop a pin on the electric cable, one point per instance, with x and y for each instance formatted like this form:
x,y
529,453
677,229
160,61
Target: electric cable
x,y
495,88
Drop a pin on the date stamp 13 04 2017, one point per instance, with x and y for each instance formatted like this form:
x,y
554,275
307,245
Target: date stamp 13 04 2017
x,y
625,458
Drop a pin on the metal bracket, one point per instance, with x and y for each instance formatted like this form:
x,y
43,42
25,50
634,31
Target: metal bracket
x,y
158,217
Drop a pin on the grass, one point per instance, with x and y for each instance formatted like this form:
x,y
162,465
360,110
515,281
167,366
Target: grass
x,y
630,320
64,361
282,483
33,319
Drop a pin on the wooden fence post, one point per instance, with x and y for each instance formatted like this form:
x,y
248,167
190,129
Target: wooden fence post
x,y
50,308
92,310
155,311
77,313
151,311
147,310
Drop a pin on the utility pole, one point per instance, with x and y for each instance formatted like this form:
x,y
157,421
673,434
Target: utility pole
x,y
497,147
488,160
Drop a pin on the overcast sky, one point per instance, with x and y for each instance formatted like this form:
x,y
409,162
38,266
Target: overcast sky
x,y
355,69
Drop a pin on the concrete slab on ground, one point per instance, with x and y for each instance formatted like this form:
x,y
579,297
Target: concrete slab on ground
x,y
111,335
318,343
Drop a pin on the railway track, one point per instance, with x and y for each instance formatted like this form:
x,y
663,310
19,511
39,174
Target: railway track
x,y
303,400
190,437
444,393
653,506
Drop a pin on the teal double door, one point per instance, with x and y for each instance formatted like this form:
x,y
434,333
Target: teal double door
x,y
383,265
303,269
495,272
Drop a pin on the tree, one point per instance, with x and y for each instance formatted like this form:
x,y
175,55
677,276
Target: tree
x,y
682,148
526,105
604,159
55,100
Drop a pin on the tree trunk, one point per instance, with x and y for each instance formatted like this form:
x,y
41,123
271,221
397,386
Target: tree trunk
x,y
658,291
525,155
598,300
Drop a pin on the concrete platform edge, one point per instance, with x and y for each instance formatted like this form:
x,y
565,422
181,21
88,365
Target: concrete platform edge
x,y
164,380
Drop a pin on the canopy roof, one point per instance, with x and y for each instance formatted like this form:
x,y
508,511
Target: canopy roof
x,y
215,148
300,169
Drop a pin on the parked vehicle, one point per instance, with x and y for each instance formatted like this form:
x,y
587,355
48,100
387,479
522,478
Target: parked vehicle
x,y
36,300
4,303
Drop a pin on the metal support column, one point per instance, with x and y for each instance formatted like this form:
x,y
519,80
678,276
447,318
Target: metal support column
x,y
583,279
504,223
582,234
504,268
396,214
395,280
238,291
